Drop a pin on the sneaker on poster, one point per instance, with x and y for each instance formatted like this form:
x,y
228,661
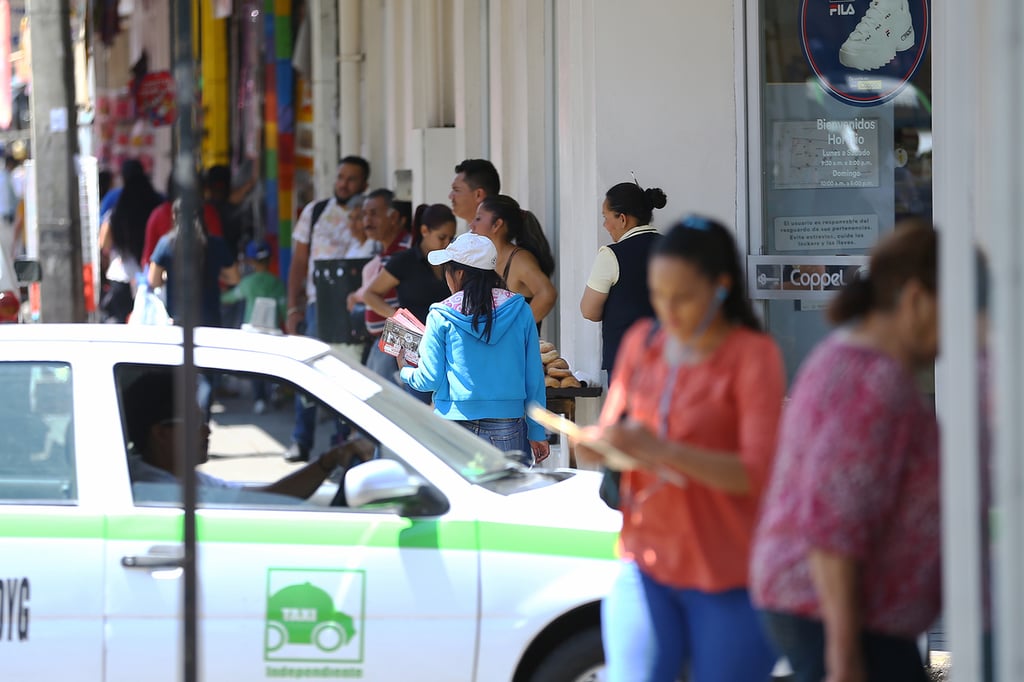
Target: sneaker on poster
x,y
885,29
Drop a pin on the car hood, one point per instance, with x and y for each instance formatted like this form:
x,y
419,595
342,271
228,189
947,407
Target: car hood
x,y
573,502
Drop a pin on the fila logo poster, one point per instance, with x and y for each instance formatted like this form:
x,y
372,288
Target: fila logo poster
x,y
864,52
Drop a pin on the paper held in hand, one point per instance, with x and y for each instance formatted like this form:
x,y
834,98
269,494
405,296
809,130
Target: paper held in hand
x,y
402,333
614,458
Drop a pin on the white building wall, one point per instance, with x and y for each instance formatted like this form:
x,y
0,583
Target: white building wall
x,y
646,86
649,87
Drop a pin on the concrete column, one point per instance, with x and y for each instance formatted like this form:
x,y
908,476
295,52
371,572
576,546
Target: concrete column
x,y
54,146
376,111
324,29
577,186
518,98
470,89
350,50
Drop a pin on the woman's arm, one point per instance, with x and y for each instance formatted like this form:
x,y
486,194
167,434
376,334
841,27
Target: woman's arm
x,y
104,238
592,304
374,294
156,275
835,580
530,281
722,470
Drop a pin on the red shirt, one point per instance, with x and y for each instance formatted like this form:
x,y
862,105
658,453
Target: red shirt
x,y
856,474
159,224
697,536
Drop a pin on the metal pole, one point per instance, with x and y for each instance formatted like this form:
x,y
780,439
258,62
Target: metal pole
x,y
187,292
54,146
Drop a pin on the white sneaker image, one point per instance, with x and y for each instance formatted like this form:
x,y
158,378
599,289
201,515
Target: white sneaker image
x,y
884,30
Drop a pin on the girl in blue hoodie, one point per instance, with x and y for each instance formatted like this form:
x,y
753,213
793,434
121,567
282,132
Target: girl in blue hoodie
x,y
480,354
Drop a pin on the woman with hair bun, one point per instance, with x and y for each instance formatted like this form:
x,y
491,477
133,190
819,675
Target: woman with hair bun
x,y
845,565
616,293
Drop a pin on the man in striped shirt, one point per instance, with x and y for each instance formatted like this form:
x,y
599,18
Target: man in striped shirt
x,y
386,220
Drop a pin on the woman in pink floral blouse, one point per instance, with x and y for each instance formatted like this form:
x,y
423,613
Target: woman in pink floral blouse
x,y
846,563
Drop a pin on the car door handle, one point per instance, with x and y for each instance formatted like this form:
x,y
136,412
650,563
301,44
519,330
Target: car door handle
x,y
157,557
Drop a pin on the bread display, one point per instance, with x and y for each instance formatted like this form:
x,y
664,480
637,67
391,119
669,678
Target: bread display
x,y
557,373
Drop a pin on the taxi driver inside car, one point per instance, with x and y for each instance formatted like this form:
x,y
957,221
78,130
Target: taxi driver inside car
x,y
153,430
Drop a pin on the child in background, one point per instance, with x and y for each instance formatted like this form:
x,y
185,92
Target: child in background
x,y
259,283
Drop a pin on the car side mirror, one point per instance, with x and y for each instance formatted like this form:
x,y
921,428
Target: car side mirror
x,y
27,270
379,481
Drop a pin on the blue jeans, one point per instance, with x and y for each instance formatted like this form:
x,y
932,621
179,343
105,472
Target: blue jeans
x,y
380,362
305,409
653,632
504,434
802,641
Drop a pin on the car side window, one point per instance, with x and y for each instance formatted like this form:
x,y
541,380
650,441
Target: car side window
x,y
37,449
250,422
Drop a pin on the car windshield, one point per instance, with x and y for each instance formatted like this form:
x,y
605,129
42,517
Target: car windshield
x,y
473,458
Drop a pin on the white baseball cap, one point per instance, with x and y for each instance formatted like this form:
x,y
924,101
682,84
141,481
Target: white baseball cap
x,y
473,250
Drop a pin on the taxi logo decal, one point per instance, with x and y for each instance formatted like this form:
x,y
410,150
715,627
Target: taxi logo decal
x,y
315,616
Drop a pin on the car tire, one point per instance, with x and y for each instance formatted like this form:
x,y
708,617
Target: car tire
x,y
580,658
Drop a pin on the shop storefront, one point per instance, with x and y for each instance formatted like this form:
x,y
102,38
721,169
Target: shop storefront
x,y
844,150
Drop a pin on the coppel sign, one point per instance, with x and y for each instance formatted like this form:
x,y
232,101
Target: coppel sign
x,y
809,278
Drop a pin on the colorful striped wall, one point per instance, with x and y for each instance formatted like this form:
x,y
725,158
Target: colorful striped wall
x,y
279,127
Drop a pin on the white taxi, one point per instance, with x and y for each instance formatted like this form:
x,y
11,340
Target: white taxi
x,y
452,563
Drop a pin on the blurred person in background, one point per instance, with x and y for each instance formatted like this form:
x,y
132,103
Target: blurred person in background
x,y
695,401
846,561
122,236
259,283
161,220
213,266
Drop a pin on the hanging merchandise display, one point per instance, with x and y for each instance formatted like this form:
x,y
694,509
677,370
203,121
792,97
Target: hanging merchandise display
x,y
154,98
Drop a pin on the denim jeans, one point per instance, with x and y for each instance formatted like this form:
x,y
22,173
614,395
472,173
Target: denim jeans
x,y
654,632
383,364
802,641
305,410
504,434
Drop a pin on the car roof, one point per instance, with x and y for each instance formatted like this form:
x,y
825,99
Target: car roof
x,y
299,348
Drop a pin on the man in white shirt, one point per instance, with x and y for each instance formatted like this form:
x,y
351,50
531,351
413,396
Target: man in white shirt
x,y
321,233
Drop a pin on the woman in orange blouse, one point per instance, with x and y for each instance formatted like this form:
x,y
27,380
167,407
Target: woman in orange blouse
x,y
695,400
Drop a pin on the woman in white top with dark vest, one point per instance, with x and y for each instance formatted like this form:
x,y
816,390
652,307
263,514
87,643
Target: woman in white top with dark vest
x,y
616,293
